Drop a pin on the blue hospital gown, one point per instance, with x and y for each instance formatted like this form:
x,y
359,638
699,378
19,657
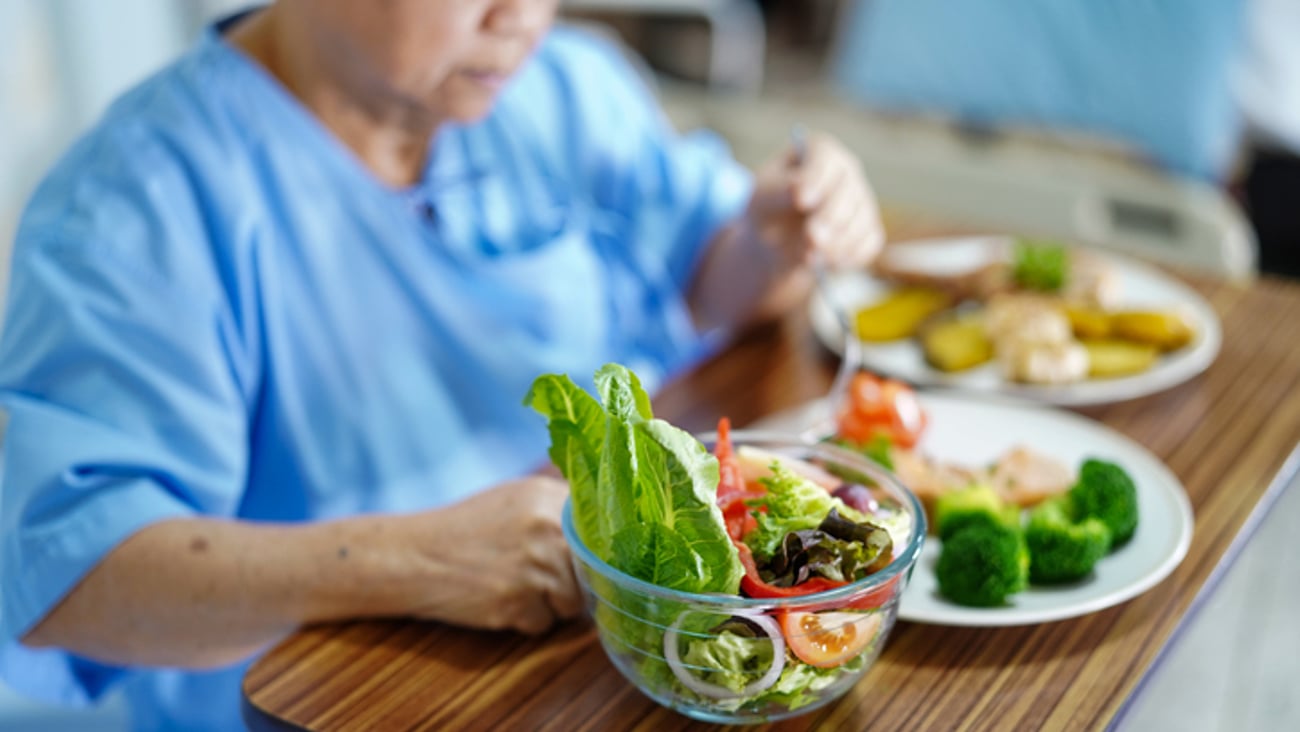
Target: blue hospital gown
x,y
215,310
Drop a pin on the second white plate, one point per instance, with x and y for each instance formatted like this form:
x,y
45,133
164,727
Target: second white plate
x,y
1141,286
974,431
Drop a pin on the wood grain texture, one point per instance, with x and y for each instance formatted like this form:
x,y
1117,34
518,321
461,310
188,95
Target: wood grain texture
x,y
1226,434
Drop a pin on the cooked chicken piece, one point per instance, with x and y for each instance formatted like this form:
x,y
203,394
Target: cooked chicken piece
x,y
1034,340
1027,318
1043,363
927,478
1092,281
1025,477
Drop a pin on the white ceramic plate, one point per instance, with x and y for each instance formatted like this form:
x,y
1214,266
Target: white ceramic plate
x,y
972,431
1140,286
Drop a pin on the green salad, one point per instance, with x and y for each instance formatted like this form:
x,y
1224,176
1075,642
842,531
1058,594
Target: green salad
x,y
652,502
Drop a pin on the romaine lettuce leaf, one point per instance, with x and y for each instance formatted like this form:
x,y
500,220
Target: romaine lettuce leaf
x,y
620,391
651,510
577,426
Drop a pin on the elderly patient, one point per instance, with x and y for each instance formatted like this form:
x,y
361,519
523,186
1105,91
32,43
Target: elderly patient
x,y
272,319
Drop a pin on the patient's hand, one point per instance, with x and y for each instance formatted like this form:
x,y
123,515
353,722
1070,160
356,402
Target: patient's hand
x,y
817,199
496,560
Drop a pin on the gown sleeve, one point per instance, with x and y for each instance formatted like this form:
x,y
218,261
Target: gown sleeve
x,y
125,389
674,190
659,196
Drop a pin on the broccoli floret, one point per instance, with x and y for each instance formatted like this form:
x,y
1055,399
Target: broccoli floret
x,y
1062,548
1105,492
976,504
982,565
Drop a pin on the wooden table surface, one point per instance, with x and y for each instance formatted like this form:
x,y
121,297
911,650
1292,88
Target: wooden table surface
x,y
1230,435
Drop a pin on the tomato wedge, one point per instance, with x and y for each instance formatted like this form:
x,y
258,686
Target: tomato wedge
x,y
732,489
878,405
730,479
829,639
736,514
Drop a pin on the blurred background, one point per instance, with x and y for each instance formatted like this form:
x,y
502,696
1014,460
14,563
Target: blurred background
x,y
1159,128
1162,128
61,63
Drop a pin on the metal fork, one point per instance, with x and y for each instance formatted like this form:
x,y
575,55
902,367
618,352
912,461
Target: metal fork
x,y
851,353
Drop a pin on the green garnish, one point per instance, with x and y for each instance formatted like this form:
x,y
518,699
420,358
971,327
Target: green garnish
x,y
1040,265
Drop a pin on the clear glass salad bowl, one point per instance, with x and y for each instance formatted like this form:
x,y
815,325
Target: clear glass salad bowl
x,y
737,660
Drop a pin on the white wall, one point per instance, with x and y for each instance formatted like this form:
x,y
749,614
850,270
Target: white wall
x,y
61,63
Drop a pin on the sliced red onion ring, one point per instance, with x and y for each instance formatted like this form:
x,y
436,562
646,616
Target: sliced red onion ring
x,y
716,691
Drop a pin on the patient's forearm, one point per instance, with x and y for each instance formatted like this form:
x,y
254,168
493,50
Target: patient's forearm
x,y
202,592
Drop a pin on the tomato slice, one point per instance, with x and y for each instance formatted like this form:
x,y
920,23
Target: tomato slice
x,y
907,419
881,406
829,639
